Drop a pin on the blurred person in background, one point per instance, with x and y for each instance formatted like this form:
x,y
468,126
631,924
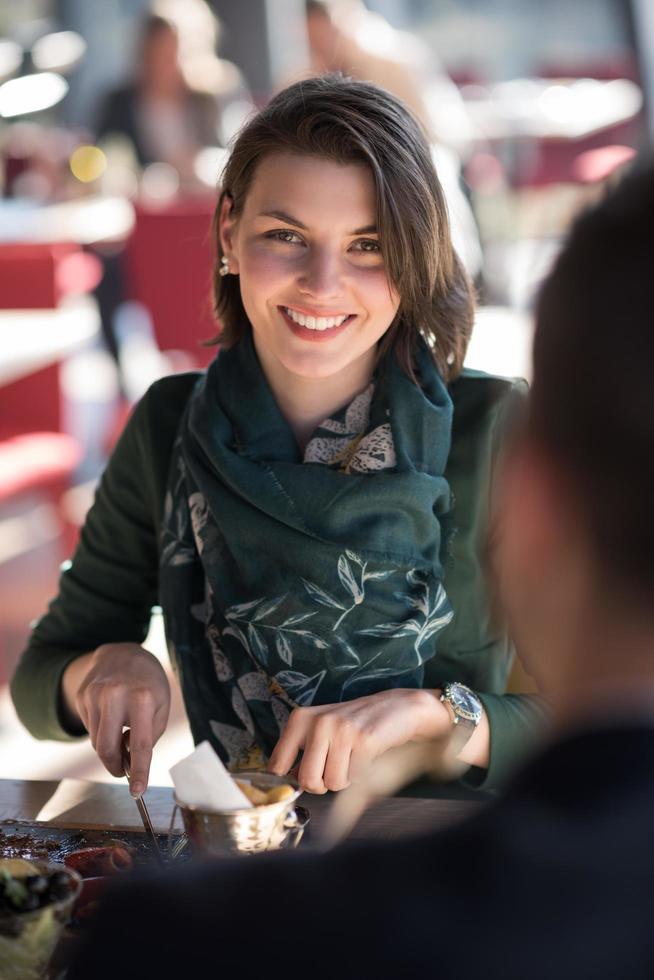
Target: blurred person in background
x,y
346,37
553,880
311,512
180,100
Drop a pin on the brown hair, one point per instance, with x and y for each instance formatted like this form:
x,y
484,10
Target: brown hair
x,y
356,122
151,26
591,407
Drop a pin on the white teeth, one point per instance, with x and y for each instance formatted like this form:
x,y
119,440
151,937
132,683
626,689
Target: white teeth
x,y
315,322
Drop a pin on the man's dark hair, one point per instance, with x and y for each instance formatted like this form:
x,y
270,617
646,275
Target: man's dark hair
x,y
592,401
320,7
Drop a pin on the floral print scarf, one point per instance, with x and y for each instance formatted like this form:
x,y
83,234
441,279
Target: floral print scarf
x,y
292,580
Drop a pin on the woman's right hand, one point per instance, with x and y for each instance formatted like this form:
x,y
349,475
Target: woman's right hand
x,y
121,685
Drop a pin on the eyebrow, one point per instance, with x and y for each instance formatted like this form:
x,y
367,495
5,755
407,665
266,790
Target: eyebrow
x,y
290,220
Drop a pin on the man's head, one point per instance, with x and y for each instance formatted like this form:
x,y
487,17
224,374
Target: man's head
x,y
578,501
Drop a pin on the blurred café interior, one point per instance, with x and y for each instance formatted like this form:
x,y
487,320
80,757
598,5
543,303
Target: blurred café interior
x,y
105,211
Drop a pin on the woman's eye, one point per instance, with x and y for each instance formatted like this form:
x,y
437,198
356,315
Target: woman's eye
x,y
368,245
286,237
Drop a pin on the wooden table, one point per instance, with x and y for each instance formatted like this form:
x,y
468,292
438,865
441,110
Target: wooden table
x,y
110,806
105,805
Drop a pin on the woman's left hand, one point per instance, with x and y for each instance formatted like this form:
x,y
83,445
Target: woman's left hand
x,y
338,739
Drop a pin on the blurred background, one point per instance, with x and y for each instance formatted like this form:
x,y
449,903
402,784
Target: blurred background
x,y
115,118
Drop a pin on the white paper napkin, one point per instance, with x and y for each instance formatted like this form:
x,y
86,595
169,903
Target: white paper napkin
x,y
201,780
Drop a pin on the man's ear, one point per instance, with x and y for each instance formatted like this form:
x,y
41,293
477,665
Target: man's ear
x,y
226,232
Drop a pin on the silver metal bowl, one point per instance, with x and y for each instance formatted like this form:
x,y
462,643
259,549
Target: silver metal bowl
x,y
248,831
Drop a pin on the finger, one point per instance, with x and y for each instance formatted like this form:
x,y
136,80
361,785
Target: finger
x,y
160,722
291,741
312,768
108,735
360,762
141,720
89,712
90,717
84,705
337,765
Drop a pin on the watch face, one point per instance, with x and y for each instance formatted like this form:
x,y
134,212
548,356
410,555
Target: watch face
x,y
464,702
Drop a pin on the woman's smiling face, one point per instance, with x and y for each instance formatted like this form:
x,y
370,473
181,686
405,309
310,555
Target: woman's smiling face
x,y
312,276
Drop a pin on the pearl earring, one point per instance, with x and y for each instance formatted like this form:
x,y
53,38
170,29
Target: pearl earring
x,y
224,266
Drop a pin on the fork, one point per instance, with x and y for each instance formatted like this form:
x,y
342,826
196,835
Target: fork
x,y
140,802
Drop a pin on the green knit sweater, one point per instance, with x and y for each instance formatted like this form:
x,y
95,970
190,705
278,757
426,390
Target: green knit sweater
x,y
107,592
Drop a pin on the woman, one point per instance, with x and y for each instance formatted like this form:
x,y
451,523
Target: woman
x,y
178,101
287,509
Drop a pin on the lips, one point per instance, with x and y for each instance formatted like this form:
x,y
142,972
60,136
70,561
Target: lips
x,y
315,321
316,328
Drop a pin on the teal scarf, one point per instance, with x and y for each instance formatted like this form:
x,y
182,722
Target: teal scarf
x,y
285,582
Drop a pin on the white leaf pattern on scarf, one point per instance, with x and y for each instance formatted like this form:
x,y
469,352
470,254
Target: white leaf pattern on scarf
x,y
368,452
241,710
357,415
375,452
237,742
354,451
199,511
254,687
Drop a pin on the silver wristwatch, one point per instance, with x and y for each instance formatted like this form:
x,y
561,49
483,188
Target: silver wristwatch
x,y
466,711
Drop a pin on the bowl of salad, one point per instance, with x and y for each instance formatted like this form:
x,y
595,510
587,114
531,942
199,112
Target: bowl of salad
x,y
36,901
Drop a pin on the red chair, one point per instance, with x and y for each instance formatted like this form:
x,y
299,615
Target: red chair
x,y
35,454
595,166
38,276
555,161
37,461
168,270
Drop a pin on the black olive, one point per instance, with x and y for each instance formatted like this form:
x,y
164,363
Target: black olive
x,y
37,884
59,885
14,892
31,903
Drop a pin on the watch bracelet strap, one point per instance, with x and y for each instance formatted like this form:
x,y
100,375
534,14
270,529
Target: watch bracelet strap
x,y
462,728
460,735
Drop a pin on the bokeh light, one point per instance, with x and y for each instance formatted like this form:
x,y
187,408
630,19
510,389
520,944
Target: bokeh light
x,y
11,56
159,182
58,52
87,163
31,93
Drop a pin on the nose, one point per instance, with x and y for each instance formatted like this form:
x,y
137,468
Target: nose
x,y
320,275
